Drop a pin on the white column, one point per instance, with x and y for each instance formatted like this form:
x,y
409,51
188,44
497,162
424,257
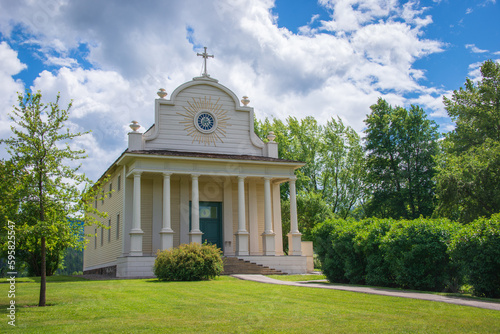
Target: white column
x,y
136,231
277,223
242,234
294,237
268,235
229,245
195,235
167,234
253,220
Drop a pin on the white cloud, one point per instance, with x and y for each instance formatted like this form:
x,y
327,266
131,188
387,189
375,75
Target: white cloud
x,y
10,65
61,61
475,71
366,50
103,102
475,49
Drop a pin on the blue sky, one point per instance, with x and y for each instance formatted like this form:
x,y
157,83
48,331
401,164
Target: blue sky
x,y
323,58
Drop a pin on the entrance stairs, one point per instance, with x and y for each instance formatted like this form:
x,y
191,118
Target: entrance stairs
x,y
233,265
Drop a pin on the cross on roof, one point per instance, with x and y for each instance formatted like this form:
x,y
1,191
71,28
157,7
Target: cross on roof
x,y
205,56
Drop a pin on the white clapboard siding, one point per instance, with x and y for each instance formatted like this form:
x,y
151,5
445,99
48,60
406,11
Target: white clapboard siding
x,y
96,255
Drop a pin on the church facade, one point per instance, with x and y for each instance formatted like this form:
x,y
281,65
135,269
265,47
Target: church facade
x,y
199,174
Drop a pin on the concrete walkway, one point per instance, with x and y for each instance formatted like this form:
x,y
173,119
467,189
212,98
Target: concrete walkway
x,y
375,291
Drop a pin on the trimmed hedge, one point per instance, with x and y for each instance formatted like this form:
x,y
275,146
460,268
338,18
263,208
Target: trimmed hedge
x,y
423,254
189,262
417,253
476,250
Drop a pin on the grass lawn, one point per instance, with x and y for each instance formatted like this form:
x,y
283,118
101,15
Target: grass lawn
x,y
229,305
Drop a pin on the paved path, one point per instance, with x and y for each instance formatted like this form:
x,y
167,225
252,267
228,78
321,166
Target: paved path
x,y
375,291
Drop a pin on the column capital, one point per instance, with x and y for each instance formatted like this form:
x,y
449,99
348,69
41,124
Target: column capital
x,y
167,174
242,177
268,178
292,179
195,176
137,172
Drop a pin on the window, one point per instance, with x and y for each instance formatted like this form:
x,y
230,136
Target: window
x,y
118,226
102,197
118,186
109,231
95,238
102,236
110,189
95,202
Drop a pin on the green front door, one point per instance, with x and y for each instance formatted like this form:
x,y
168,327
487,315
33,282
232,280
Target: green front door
x,y
211,223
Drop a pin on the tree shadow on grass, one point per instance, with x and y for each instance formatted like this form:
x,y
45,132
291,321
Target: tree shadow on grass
x,y
50,279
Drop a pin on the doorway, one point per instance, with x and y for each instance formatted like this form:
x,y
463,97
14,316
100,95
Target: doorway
x,y
211,222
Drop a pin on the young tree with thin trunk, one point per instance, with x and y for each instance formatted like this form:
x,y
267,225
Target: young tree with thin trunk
x,y
51,194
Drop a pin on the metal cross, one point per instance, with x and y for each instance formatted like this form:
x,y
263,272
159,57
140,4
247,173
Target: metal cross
x,y
205,56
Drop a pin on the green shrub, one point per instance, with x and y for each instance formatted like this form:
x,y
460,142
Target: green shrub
x,y
476,248
352,258
189,262
331,264
418,253
367,242
334,245
386,252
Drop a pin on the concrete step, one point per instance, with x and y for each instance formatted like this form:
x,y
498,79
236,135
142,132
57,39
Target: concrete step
x,y
233,265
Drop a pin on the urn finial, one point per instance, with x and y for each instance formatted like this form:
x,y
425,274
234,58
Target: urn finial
x,y
162,93
134,125
271,136
245,100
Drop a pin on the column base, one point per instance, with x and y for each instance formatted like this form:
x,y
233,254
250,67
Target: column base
x,y
295,244
242,243
196,237
167,239
268,242
136,242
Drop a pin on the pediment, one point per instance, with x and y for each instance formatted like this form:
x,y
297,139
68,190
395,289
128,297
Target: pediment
x,y
203,116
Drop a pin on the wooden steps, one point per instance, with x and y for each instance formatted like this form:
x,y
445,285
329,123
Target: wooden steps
x,y
233,265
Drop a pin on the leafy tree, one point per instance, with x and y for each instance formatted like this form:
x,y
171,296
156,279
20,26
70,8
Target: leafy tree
x,y
73,262
400,145
343,167
469,165
46,190
332,181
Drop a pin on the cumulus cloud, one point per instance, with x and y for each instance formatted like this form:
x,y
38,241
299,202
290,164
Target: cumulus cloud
x,y
475,49
366,49
10,65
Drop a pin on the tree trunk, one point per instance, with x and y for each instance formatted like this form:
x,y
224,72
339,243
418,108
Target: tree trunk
x,y
43,278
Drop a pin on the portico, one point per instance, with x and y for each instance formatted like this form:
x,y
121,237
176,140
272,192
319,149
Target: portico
x,y
248,222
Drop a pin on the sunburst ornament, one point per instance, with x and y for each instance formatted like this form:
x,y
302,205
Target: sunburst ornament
x,y
205,121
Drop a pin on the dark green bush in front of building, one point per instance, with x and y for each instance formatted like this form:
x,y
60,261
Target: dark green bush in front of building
x,y
189,262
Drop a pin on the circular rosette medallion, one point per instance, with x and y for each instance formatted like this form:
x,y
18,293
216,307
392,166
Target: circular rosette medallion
x,y
205,121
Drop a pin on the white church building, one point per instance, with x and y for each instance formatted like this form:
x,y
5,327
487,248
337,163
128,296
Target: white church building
x,y
198,174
